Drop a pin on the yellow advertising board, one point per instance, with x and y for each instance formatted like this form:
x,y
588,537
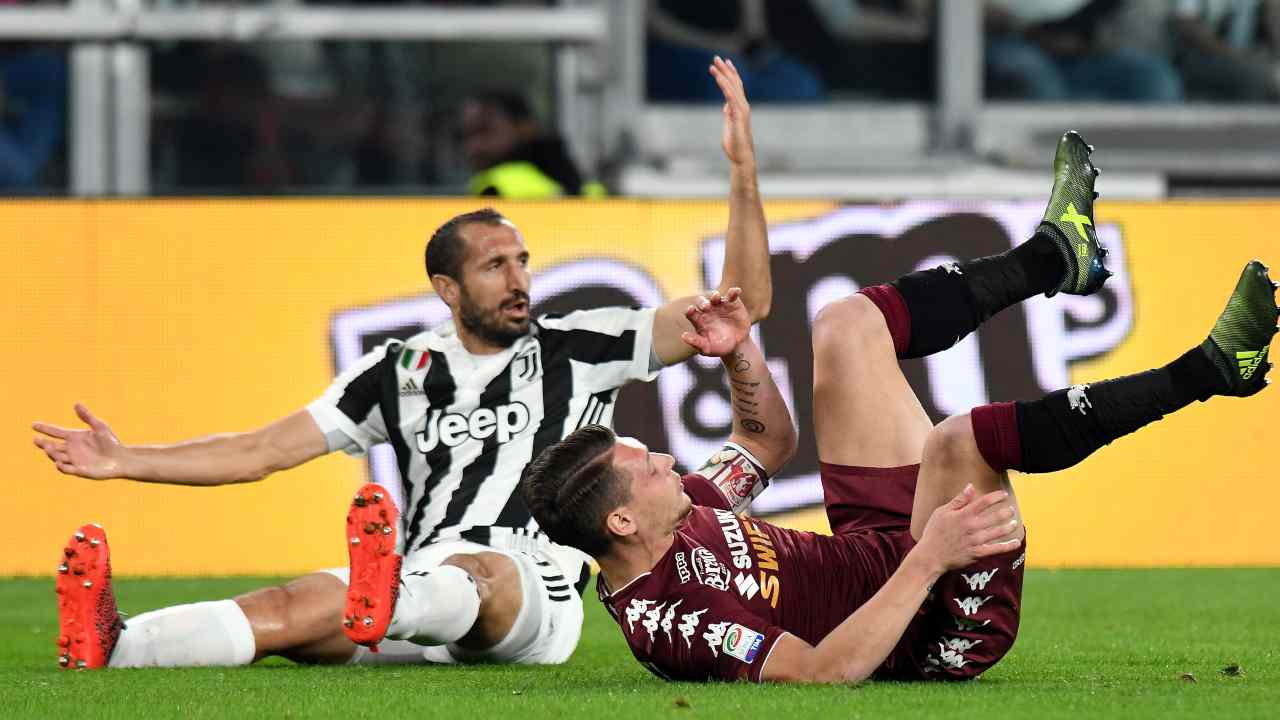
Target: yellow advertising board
x,y
176,319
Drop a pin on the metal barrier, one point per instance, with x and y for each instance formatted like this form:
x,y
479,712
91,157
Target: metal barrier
x,y
110,100
930,146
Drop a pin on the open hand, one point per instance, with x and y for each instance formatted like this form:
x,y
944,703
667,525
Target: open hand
x,y
736,137
719,323
94,453
969,528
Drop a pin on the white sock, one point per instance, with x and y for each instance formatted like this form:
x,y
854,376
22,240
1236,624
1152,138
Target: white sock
x,y
390,652
436,606
207,633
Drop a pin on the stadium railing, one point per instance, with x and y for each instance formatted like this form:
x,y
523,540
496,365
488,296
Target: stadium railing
x,y
958,144
109,103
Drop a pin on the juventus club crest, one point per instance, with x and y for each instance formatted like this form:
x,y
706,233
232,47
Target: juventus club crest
x,y
526,364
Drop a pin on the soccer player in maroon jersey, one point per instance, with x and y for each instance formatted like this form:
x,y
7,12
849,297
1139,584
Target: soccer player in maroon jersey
x,y
922,576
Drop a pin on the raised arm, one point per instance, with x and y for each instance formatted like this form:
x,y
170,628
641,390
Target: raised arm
x,y
958,533
720,327
97,453
746,249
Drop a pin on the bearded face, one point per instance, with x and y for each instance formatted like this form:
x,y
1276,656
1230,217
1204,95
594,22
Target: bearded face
x,y
500,324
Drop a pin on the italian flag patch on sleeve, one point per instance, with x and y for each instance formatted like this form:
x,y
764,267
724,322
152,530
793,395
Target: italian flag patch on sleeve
x,y
414,359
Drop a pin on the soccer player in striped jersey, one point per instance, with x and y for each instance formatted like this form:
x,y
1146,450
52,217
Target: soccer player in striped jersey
x,y
465,406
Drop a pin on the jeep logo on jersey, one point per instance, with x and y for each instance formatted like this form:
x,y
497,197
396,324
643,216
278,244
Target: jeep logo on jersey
x,y
1023,352
452,428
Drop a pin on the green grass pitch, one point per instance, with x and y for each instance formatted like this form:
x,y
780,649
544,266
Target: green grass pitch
x,y
1092,644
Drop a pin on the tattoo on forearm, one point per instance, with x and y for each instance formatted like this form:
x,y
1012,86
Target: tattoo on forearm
x,y
742,392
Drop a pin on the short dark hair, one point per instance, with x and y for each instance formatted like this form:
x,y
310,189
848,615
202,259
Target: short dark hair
x,y
572,485
446,248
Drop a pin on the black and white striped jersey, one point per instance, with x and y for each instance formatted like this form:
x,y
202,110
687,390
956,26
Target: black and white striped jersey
x,y
464,426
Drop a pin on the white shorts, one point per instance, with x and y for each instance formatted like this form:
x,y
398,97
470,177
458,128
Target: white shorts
x,y
546,630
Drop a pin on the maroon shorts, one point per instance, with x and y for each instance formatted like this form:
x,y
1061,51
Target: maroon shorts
x,y
971,617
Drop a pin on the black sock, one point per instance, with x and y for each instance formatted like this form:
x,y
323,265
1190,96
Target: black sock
x,y
1067,426
947,303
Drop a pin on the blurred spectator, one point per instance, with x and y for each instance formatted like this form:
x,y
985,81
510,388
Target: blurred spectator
x,y
512,156
684,36
1217,52
233,138
232,117
33,109
1048,50
882,48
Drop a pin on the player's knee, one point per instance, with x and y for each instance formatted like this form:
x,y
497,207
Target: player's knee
x,y
266,606
496,578
846,323
472,564
951,441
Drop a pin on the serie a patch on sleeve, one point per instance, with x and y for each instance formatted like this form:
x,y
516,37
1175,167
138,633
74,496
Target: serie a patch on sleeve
x,y
742,643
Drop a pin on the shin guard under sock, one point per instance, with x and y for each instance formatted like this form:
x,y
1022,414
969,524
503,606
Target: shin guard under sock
x,y
436,606
207,633
1064,427
946,303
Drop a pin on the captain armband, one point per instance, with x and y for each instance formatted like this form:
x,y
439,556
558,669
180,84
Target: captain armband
x,y
737,474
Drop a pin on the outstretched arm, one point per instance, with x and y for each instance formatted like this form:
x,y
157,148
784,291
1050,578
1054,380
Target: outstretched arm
x,y
97,453
746,250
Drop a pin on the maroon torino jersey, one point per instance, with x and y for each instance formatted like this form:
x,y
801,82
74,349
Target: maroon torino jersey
x,y
729,587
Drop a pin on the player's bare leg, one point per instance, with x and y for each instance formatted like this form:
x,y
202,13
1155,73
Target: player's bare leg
x,y
951,461
497,583
299,620
302,620
1063,428
864,412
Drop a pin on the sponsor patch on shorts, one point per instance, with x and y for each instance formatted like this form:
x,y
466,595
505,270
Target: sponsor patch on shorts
x,y
742,643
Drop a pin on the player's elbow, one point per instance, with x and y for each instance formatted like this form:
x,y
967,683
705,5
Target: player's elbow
x,y
842,672
823,665
759,305
789,443
817,669
257,458
782,446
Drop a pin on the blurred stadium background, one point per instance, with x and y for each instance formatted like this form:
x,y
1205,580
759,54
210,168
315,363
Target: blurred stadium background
x,y
213,207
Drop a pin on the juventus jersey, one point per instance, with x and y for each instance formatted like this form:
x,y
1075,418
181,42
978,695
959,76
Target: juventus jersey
x,y
464,426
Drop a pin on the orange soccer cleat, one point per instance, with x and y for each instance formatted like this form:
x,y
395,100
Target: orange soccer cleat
x,y
372,528
88,622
